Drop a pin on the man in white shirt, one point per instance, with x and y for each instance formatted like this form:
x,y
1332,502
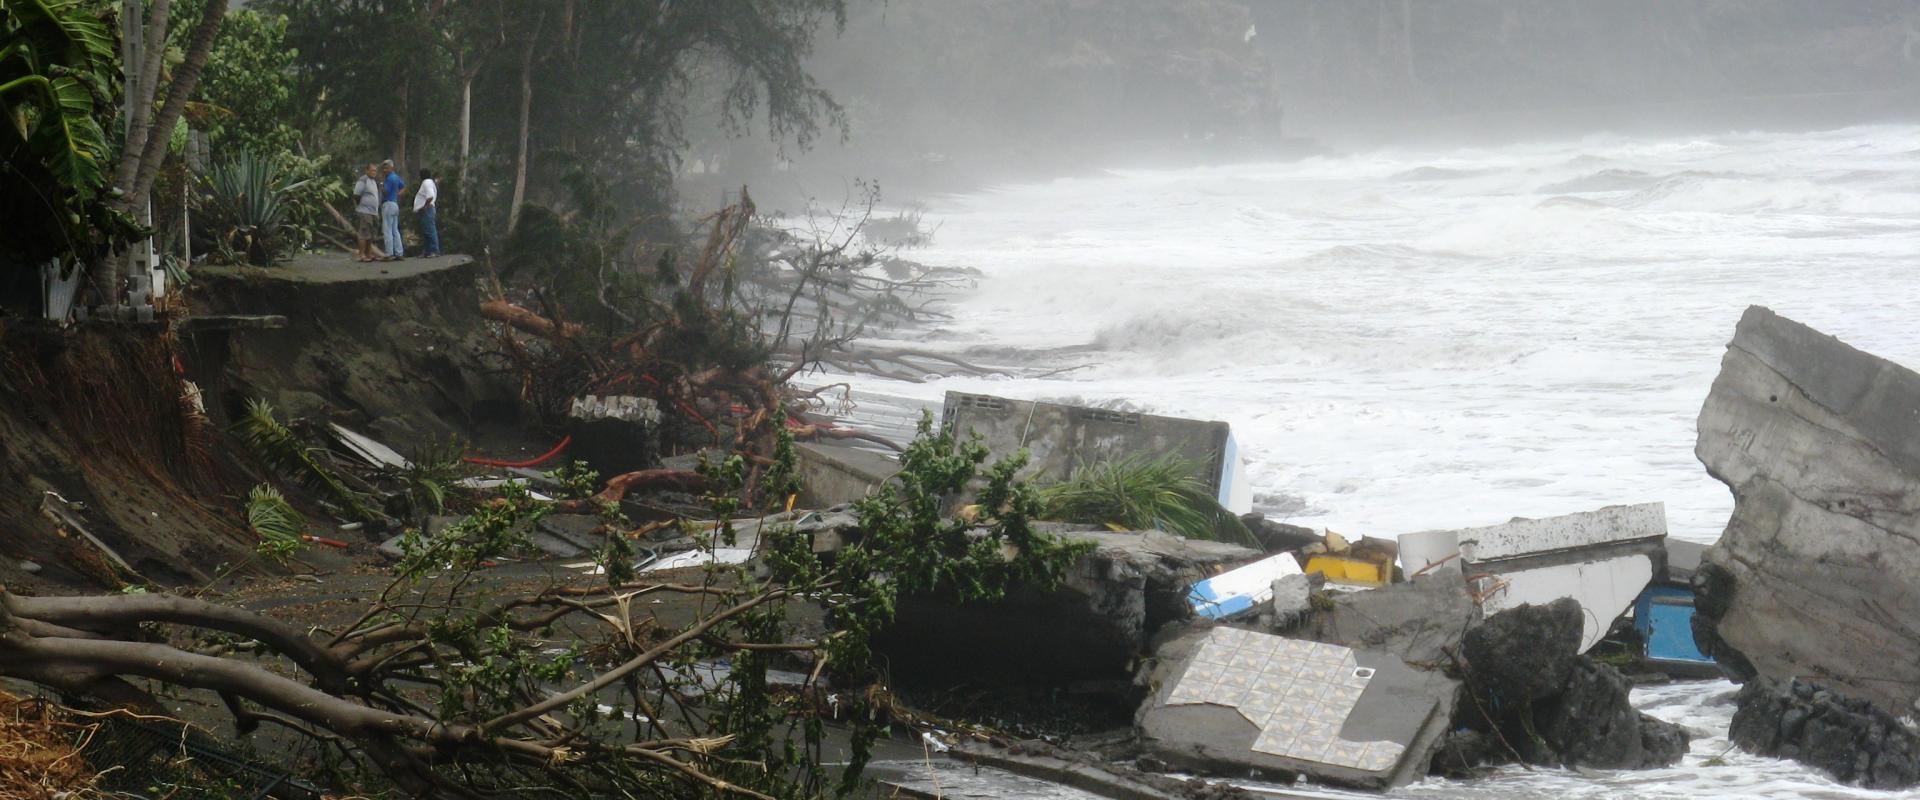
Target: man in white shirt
x,y
425,204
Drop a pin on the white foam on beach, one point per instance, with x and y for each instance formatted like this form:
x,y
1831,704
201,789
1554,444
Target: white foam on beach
x,y
1407,340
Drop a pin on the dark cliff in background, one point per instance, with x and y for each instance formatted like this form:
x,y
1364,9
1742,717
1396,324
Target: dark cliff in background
x,y
1702,62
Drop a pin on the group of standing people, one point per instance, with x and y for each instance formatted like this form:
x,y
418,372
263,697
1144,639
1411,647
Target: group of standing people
x,y
378,193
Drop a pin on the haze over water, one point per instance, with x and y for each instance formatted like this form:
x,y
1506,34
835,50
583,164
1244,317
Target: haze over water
x,y
1405,339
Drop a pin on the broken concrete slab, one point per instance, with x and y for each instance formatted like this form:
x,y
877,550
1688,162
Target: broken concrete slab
x,y
1420,621
1548,535
615,434
834,473
1278,537
1683,559
1601,558
369,449
1230,701
1605,589
1429,552
1818,571
1062,439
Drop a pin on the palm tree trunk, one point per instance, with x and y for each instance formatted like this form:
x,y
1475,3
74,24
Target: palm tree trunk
x,y
151,45
185,78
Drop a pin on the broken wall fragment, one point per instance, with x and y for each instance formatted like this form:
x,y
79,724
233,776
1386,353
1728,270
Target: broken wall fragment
x,y
1818,572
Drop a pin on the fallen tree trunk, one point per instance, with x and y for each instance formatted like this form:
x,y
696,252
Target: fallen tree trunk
x,y
678,480
503,311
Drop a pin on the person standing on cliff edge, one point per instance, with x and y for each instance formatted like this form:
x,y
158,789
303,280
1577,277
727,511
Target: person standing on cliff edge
x,y
424,209
391,188
366,217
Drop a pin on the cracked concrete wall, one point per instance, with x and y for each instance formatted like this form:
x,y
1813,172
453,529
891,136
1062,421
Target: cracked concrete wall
x,y
1818,572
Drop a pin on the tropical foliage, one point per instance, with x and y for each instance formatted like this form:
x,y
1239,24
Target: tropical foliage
x,y
59,77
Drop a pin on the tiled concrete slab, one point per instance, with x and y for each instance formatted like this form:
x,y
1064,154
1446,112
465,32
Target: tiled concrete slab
x,y
1243,699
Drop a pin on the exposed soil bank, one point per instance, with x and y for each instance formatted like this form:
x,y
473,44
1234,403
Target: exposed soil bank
x,y
398,349
98,415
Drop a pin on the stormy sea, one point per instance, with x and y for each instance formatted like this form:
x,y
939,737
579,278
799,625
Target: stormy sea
x,y
1414,339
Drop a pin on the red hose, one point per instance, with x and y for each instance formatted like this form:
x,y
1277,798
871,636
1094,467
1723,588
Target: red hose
x,y
532,462
311,539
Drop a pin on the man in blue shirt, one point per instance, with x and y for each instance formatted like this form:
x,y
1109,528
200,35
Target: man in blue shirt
x,y
391,187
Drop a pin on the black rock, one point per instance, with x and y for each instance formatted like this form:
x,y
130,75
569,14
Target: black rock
x,y
1849,738
1532,692
1465,751
1592,723
1526,653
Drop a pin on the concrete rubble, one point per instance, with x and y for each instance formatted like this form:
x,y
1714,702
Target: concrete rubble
x,y
1231,701
832,473
1602,559
1061,439
1818,571
615,434
1275,580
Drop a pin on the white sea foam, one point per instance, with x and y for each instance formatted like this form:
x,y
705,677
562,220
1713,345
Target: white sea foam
x,y
1407,340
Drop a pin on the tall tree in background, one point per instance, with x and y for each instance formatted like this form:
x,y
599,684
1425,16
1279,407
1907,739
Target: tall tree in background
x,y
598,88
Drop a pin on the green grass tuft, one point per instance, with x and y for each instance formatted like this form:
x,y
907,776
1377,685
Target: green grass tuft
x,y
1141,492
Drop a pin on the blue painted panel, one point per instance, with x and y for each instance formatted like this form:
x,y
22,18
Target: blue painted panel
x,y
1664,617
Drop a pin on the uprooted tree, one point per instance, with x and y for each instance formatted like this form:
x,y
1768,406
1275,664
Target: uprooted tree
x,y
449,687
716,338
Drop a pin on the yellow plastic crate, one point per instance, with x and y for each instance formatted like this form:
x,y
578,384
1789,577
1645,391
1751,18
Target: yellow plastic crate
x,y
1350,571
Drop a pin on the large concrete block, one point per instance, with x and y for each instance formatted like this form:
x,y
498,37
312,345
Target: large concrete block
x,y
1061,439
832,473
1601,558
1818,572
1230,701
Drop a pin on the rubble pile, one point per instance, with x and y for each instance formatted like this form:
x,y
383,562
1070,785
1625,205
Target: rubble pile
x,y
1818,572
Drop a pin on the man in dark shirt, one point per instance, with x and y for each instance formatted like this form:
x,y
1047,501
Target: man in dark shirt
x,y
391,188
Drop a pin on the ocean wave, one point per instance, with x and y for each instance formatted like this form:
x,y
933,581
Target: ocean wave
x,y
1710,193
1432,173
1606,180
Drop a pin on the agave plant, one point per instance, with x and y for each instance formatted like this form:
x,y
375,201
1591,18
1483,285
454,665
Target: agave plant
x,y
1141,492
244,206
